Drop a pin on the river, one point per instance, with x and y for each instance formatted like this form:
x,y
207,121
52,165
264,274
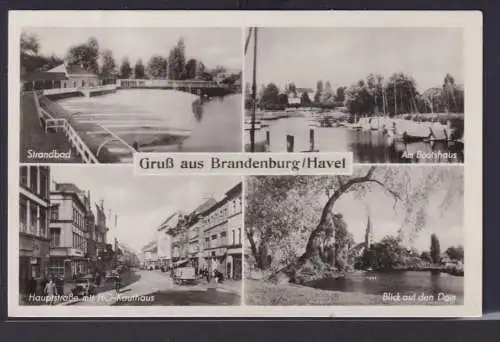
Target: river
x,y
158,120
442,287
367,146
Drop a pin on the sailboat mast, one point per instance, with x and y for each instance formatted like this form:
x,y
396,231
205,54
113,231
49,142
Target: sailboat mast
x,y
254,90
395,102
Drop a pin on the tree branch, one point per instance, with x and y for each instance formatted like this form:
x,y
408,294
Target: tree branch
x,y
392,192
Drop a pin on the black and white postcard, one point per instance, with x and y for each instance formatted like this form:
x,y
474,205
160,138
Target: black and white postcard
x,y
244,164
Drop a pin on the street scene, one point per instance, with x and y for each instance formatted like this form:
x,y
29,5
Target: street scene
x,y
388,95
89,96
95,237
383,235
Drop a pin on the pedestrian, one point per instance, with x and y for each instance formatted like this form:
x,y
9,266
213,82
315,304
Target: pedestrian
x,y
60,285
50,290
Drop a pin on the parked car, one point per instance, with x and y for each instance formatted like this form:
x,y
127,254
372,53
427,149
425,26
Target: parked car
x,y
85,286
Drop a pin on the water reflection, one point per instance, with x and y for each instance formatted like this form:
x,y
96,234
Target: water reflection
x,y
367,146
404,283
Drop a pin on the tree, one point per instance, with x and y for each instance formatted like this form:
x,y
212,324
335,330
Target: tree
x,y
327,98
177,61
270,96
340,95
453,98
305,101
29,44
157,67
455,253
85,55
139,71
426,256
125,68
31,60
108,67
200,70
190,69
435,249
386,254
289,219
319,92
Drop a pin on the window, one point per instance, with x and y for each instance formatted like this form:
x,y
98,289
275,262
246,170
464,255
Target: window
x,y
43,222
54,213
33,218
34,179
56,267
207,242
223,238
239,236
55,237
233,241
22,214
44,183
24,176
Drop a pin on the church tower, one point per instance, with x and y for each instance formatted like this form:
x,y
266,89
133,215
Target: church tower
x,y
369,232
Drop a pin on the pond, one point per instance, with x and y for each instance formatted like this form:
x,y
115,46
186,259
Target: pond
x,y
426,285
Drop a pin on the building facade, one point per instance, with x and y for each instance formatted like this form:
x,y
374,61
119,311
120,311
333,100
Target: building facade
x,y
34,204
68,231
164,239
222,235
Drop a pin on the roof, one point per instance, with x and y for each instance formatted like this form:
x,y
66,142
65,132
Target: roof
x,y
67,187
205,205
69,70
304,90
45,76
78,70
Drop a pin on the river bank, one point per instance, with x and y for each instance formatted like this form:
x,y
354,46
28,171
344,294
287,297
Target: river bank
x,y
258,292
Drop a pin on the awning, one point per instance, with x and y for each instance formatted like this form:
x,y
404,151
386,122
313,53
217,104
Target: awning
x,y
179,263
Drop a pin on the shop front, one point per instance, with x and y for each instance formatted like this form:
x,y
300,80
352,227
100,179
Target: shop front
x,y
234,263
33,257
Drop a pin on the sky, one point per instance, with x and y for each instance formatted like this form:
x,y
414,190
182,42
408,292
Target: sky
x,y
142,203
213,46
345,55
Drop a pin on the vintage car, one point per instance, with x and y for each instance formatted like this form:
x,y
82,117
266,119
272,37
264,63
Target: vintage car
x,y
85,286
184,275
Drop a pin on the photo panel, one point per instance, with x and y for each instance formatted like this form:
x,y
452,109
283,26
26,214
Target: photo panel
x,y
386,94
88,236
386,235
100,94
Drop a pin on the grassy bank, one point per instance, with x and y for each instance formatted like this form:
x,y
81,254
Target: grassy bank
x,y
266,293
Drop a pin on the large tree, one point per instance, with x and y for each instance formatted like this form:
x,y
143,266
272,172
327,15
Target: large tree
x,y
31,60
270,96
108,67
157,67
177,61
319,92
139,70
125,68
85,55
190,69
435,249
291,223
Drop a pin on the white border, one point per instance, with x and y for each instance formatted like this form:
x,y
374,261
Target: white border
x,y
469,21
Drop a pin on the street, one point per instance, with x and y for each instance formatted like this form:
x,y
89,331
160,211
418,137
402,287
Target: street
x,y
158,288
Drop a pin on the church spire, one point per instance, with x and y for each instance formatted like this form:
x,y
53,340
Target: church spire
x,y
369,231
